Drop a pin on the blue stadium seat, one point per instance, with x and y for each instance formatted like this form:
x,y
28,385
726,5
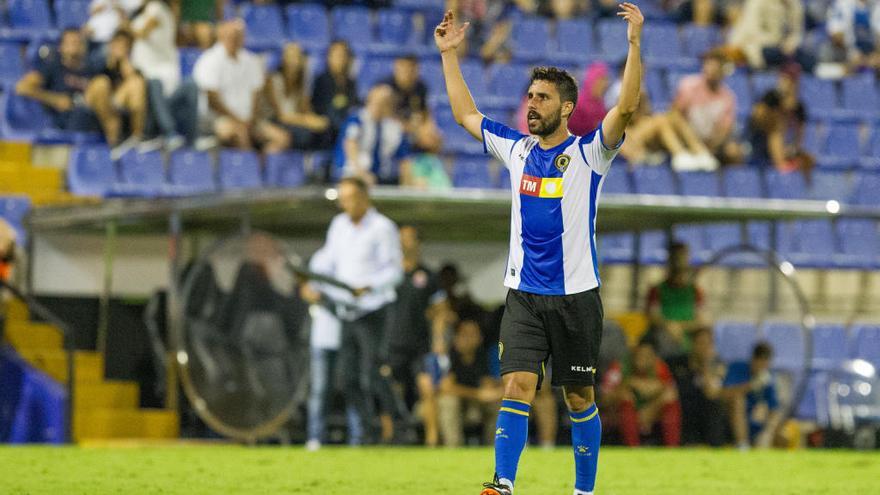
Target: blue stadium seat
x,y
859,243
507,83
373,70
652,248
13,209
821,95
762,82
617,181
90,171
653,180
285,169
308,24
192,171
870,159
188,58
738,82
829,346
786,241
22,118
790,185
353,24
574,40
27,18
860,98
431,72
12,67
723,235
616,248
865,191
816,244
420,5
734,340
396,29
758,234
865,343
142,174
71,13
787,341
658,90
239,170
612,39
265,27
472,70
742,182
814,402
699,39
815,139
695,238
471,171
530,38
699,184
662,47
843,149
830,185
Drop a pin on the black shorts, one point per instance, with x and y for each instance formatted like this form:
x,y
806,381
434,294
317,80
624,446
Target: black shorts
x,y
569,328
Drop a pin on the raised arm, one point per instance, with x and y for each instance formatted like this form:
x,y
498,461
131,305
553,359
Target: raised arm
x,y
448,37
614,124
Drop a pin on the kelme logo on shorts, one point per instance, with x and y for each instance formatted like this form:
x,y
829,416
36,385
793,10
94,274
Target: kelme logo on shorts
x,y
583,369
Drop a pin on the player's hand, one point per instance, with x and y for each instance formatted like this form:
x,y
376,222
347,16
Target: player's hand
x,y
635,19
447,35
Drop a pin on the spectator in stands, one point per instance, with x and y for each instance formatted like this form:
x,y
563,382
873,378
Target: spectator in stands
x,y
325,339
289,102
675,306
66,86
590,108
853,28
197,20
410,337
457,293
106,17
372,143
769,33
233,80
435,367
410,91
335,91
643,394
173,103
775,127
751,395
128,90
468,393
699,376
565,9
705,106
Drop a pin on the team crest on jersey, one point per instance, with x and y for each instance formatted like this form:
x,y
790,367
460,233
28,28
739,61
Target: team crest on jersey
x,y
561,162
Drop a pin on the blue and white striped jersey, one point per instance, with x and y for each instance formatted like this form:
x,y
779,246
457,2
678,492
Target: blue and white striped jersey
x,y
553,214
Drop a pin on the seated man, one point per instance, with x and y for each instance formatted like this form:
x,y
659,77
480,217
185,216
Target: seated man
x,y
372,143
643,394
233,79
699,376
751,396
66,86
469,393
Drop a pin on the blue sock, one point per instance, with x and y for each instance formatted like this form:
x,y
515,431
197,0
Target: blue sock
x,y
586,434
511,434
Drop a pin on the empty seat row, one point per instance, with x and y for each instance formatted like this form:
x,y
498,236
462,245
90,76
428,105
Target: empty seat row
x,y
91,172
13,209
848,243
832,343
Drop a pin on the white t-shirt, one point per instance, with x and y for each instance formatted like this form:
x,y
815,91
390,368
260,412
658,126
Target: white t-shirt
x,y
326,328
156,55
235,79
105,23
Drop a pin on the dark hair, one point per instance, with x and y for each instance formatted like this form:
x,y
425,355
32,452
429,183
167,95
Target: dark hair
x,y
409,57
676,247
699,332
357,182
123,33
762,350
716,55
565,84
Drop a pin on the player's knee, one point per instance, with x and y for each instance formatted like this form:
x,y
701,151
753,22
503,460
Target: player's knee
x,y
579,399
520,387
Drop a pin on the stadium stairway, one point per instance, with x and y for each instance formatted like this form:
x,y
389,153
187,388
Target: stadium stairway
x,y
18,175
102,409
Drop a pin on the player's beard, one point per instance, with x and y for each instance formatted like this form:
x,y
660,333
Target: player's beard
x,y
544,126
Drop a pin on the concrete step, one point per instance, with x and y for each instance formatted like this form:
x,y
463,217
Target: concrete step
x,y
115,394
89,365
23,334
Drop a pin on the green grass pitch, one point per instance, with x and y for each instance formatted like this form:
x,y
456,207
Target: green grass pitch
x,y
215,470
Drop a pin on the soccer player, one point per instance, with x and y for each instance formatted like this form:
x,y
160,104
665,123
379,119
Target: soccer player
x,y
553,305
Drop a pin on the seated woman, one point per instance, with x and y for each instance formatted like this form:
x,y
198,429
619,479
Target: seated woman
x,y
289,102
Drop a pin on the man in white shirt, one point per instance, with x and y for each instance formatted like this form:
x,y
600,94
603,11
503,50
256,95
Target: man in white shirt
x,y
363,251
232,79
